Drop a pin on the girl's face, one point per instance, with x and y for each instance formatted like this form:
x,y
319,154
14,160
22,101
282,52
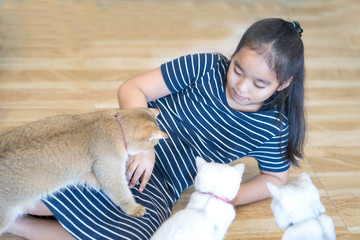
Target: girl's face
x,y
249,81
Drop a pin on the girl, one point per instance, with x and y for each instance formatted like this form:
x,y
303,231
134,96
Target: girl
x,y
211,107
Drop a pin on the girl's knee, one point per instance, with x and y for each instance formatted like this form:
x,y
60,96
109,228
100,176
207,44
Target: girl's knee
x,y
41,210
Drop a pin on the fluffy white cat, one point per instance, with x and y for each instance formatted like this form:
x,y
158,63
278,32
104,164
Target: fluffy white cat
x,y
298,209
209,212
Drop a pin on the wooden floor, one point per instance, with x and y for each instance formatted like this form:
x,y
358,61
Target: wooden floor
x,y
69,56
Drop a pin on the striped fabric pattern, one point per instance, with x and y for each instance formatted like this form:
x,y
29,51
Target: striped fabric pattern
x,y
87,213
199,122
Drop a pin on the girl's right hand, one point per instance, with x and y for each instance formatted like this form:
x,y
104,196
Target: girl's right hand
x,y
140,168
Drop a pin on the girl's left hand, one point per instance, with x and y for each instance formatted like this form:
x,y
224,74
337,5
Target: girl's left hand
x,y
140,168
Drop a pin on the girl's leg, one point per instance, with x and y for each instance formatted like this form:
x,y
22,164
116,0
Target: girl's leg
x,y
36,228
41,210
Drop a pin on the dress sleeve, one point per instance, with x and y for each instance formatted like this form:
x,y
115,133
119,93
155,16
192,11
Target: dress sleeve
x,y
182,72
271,154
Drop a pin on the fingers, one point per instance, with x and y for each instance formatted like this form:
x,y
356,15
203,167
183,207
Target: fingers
x,y
136,175
140,168
145,178
133,173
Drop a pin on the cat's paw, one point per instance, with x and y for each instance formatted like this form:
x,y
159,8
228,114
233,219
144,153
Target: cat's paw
x,y
138,211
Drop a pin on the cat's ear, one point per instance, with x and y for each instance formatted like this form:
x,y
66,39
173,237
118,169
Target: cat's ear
x,y
154,111
274,190
158,134
304,177
199,162
240,168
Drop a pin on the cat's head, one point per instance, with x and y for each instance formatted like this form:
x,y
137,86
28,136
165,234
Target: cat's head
x,y
142,132
220,179
295,202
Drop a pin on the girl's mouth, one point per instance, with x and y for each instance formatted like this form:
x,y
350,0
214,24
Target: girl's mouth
x,y
239,97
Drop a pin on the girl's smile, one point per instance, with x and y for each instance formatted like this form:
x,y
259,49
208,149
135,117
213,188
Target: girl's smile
x,y
238,96
249,81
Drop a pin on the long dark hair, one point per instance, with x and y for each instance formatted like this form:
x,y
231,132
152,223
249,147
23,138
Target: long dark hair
x,y
280,42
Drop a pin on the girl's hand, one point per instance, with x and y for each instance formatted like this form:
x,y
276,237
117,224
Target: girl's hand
x,y
140,167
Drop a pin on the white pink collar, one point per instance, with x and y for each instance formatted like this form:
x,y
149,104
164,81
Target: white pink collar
x,y
225,200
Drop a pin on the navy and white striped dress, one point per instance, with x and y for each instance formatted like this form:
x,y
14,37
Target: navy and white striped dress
x,y
199,122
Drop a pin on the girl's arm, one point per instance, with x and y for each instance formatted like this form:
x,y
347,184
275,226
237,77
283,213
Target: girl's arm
x,y
136,92
256,189
143,88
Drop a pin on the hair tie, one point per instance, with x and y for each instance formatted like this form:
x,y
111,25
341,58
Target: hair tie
x,y
297,28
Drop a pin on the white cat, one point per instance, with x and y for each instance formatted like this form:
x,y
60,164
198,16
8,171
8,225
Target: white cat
x,y
298,209
209,212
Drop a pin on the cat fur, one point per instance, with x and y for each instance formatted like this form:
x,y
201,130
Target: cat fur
x,y
44,156
205,216
298,209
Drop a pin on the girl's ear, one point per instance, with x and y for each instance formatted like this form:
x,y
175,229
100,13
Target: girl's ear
x,y
285,84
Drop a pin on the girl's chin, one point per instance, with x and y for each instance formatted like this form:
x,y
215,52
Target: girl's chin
x,y
245,106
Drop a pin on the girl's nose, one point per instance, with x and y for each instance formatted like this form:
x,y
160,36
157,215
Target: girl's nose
x,y
242,85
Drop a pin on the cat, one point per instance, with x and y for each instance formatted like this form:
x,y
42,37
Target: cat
x,y
209,212
41,157
298,209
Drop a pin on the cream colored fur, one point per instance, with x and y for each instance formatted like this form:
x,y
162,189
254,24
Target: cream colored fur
x,y
205,216
43,156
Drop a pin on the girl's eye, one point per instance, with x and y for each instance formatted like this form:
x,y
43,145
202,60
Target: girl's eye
x,y
237,72
258,86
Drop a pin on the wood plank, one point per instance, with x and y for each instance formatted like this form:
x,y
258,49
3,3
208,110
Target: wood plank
x,y
70,57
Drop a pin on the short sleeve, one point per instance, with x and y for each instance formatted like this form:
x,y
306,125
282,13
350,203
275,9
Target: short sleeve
x,y
271,154
181,72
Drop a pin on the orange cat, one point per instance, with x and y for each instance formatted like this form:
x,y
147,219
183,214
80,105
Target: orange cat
x,y
43,156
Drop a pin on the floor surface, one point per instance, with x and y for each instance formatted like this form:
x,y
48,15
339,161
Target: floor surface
x,y
70,57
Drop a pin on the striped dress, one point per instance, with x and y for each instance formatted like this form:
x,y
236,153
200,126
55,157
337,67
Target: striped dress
x,y
199,122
